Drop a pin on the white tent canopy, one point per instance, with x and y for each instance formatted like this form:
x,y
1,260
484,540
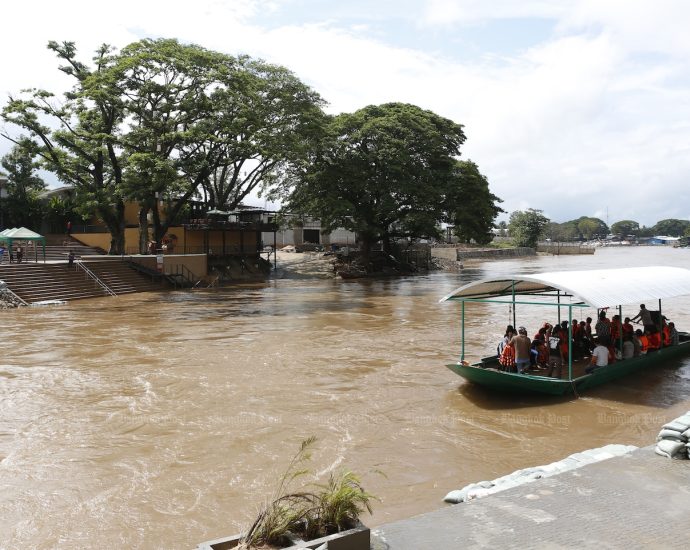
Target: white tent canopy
x,y
23,234
597,288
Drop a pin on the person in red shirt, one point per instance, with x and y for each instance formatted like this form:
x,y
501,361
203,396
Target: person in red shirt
x,y
628,329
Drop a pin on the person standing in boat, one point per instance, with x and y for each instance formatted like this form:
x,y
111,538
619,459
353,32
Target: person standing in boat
x,y
603,329
555,351
645,317
523,347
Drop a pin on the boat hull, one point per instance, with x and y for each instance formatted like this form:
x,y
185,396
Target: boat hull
x,y
485,374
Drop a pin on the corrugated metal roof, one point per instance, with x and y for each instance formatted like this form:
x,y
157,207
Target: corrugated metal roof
x,y
597,288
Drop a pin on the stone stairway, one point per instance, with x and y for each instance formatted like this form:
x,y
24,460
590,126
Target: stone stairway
x,y
121,278
38,282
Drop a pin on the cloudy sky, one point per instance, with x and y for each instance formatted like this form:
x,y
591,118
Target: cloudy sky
x,y
577,107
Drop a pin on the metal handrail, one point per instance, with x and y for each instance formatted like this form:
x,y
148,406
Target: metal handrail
x,y
187,275
91,274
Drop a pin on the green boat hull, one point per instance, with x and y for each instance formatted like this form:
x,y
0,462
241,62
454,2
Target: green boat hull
x,y
485,373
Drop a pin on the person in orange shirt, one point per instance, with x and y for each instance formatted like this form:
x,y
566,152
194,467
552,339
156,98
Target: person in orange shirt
x,y
666,334
653,340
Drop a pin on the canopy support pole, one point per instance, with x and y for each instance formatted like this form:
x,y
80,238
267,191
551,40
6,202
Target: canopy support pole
x,y
620,328
513,293
570,340
558,297
462,352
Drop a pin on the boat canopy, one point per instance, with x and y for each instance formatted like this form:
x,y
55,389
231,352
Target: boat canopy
x,y
598,288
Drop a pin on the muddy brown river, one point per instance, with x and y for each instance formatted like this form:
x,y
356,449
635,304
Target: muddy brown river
x,y
162,420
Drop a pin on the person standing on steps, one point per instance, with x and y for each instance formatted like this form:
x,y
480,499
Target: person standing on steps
x,y
70,258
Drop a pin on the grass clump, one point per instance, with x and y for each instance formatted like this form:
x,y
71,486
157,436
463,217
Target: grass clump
x,y
327,508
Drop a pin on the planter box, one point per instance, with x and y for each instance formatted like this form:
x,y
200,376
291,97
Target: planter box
x,y
352,539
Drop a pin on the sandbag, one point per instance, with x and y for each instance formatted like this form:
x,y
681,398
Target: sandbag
x,y
671,434
671,449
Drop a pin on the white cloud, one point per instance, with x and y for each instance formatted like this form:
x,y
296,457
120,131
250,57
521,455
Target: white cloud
x,y
592,117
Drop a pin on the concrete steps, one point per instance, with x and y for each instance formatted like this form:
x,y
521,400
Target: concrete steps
x,y
38,282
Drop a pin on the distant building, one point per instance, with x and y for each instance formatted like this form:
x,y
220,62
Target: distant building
x,y
659,240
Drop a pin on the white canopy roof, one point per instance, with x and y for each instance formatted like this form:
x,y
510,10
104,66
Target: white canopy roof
x,y
20,233
597,288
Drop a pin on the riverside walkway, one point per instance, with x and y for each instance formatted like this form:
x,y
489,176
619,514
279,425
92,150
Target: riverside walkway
x,y
638,500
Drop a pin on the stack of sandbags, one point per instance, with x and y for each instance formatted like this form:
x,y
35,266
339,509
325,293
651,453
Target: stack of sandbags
x,y
672,441
527,475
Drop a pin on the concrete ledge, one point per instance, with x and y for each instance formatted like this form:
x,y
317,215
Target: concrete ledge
x,y
638,500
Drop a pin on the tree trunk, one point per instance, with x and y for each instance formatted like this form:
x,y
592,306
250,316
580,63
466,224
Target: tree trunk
x,y
115,222
143,228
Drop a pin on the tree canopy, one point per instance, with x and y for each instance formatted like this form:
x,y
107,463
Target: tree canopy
x,y
386,172
671,227
625,228
162,120
471,207
22,207
526,227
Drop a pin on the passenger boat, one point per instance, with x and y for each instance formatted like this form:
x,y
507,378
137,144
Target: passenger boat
x,y
571,290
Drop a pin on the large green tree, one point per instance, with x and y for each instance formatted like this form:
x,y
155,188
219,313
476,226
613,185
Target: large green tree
x,y
625,228
591,228
22,206
383,171
162,121
471,207
671,227
76,136
526,227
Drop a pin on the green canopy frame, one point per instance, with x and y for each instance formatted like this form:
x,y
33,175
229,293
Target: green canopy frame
x,y
24,234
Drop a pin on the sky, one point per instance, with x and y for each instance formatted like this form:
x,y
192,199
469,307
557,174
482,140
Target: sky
x,y
574,107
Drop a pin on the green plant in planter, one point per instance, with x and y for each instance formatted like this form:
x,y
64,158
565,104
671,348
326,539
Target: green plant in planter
x,y
331,508
338,505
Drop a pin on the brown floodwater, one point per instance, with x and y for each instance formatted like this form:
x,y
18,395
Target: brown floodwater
x,y
160,420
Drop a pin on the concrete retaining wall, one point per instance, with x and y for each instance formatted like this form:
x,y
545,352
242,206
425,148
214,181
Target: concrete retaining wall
x,y
451,253
564,248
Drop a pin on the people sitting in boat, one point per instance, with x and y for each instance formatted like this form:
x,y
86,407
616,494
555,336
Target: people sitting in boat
x,y
665,333
653,339
585,339
542,352
603,328
628,347
638,345
644,316
616,330
642,338
507,357
627,328
588,330
539,336
600,356
556,358
510,332
564,341
673,334
522,345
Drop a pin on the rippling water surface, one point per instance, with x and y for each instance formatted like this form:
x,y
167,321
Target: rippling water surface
x,y
161,420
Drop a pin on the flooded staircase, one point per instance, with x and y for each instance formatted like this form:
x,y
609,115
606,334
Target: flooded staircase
x,y
58,281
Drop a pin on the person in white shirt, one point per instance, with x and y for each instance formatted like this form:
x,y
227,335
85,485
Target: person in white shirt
x,y
600,357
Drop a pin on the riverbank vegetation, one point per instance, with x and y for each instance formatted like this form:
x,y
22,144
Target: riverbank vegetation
x,y
164,122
